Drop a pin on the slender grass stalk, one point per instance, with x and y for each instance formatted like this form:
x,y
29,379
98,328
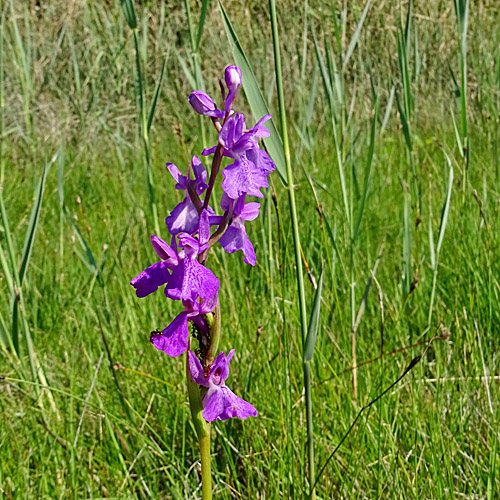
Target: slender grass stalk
x,y
25,76
442,228
462,13
144,121
296,242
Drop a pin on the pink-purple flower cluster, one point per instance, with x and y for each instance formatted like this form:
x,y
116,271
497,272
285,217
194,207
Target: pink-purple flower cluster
x,y
194,228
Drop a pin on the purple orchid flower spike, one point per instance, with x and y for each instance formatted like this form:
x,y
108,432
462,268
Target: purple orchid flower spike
x,y
232,75
157,274
235,238
173,340
219,403
203,104
184,217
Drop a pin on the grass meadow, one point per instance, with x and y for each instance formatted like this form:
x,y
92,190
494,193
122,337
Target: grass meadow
x,y
392,114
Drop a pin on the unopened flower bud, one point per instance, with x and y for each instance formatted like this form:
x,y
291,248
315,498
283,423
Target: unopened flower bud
x,y
232,76
204,105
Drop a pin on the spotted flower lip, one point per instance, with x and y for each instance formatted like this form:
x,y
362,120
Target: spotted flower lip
x,y
244,177
219,403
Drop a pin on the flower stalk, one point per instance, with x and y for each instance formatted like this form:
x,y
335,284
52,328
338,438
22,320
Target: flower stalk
x,y
182,267
202,428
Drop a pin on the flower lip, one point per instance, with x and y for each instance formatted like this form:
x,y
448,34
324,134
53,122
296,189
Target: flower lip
x,y
219,403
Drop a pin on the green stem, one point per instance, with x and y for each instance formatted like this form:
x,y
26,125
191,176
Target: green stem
x,y
206,473
433,291
215,331
296,241
202,428
309,419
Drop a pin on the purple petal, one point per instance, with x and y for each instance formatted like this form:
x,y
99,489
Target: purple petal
x,y
190,280
190,245
208,305
243,177
226,203
150,279
164,250
222,404
200,174
173,339
178,177
204,230
250,211
216,220
219,371
183,218
196,370
204,105
261,159
232,130
208,151
235,238
259,130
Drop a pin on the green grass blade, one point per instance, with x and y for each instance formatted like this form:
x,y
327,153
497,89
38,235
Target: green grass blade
x,y
442,228
5,338
274,143
407,244
366,183
354,40
404,123
60,176
129,12
297,247
188,73
446,208
431,245
156,95
312,331
33,223
388,110
90,261
324,76
201,23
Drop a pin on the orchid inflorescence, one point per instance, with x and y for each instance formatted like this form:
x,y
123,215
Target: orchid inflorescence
x,y
182,266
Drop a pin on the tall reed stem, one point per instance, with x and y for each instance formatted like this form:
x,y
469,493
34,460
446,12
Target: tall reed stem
x,y
296,241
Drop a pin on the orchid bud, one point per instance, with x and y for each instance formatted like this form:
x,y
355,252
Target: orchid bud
x,y
232,76
204,105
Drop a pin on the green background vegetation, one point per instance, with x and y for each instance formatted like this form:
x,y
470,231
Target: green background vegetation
x,y
393,108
